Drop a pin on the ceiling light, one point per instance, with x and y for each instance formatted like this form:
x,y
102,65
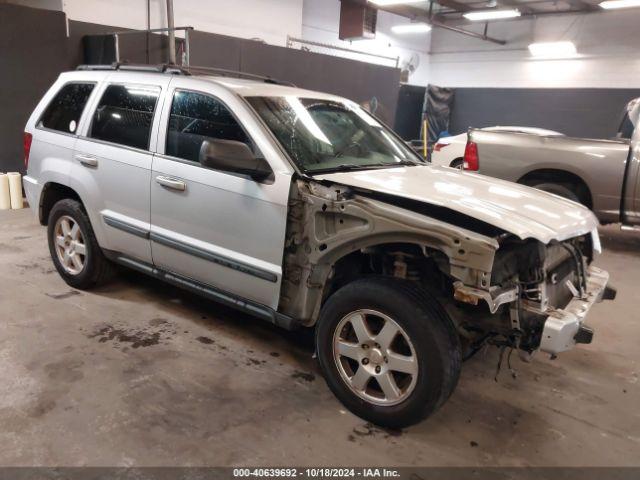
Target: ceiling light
x,y
411,28
491,14
553,49
611,4
386,3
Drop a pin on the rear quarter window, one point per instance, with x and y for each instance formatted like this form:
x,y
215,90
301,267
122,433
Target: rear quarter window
x,y
125,115
64,111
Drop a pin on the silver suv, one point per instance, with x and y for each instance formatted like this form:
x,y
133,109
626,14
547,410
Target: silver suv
x,y
303,209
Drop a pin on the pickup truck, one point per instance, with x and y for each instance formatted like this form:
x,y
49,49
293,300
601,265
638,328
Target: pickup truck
x,y
603,175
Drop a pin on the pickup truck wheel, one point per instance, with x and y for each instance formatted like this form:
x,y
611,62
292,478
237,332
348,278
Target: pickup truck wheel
x,y
74,248
457,163
562,190
388,350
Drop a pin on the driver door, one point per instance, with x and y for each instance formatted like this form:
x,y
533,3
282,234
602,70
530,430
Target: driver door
x,y
222,230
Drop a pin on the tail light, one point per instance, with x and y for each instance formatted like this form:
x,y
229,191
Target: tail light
x,y
26,144
439,146
471,160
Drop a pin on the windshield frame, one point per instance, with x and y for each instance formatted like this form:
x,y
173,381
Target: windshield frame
x,y
299,169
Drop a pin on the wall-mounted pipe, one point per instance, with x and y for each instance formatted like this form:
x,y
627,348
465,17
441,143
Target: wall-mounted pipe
x,y
301,41
172,33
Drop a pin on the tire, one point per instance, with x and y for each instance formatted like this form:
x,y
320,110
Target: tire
x,y
564,190
96,269
433,344
457,163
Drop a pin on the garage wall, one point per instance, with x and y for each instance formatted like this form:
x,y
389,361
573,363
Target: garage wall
x,y
320,22
607,44
270,20
581,112
25,77
356,80
40,50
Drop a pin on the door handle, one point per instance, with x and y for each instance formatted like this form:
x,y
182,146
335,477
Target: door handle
x,y
171,183
87,160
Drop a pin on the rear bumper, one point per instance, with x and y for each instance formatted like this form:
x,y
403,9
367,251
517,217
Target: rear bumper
x,y
563,328
32,189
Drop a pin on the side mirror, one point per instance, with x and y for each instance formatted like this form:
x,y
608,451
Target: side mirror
x,y
234,157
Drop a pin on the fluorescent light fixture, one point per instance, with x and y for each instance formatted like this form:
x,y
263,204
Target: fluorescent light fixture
x,y
491,15
611,4
553,49
411,28
386,3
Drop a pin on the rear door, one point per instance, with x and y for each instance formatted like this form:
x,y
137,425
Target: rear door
x,y
112,161
222,230
631,189
631,212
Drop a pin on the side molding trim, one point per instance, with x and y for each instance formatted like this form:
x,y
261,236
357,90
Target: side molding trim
x,y
126,227
215,258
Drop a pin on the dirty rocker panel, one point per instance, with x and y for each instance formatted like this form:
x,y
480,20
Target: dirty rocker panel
x,y
208,291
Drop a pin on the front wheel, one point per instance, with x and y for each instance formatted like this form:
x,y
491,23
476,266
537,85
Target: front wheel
x,y
388,350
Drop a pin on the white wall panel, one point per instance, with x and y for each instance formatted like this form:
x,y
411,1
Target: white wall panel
x,y
607,43
269,20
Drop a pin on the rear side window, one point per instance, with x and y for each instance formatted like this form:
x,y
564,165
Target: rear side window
x,y
125,114
195,118
64,111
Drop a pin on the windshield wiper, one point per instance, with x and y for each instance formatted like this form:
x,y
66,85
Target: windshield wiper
x,y
348,167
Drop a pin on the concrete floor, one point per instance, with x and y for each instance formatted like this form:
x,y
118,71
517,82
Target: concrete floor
x,y
139,373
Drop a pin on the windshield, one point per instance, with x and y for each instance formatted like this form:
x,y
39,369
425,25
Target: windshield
x,y
327,135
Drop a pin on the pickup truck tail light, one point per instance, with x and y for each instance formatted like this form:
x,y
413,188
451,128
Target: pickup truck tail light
x,y
26,144
471,160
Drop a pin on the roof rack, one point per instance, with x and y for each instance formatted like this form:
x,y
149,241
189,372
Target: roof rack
x,y
137,67
183,70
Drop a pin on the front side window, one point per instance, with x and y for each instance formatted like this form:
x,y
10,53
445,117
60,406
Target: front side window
x,y
327,135
64,111
196,118
125,114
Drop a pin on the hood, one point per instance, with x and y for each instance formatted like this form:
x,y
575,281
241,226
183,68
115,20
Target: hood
x,y
520,210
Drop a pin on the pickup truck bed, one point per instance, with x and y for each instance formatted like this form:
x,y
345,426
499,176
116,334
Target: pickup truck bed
x,y
596,168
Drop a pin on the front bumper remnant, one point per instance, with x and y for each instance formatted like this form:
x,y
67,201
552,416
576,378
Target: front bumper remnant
x,y
564,327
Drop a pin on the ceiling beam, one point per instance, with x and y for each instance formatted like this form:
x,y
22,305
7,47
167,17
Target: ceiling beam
x,y
418,14
583,5
522,7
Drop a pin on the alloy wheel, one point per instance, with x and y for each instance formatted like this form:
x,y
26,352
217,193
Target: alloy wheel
x,y
375,357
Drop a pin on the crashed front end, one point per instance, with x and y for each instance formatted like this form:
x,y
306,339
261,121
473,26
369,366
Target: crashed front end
x,y
544,292
497,288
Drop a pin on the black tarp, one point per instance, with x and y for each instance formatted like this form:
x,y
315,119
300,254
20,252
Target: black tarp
x,y
437,110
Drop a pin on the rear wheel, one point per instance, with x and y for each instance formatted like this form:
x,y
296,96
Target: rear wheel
x,y
74,248
388,350
565,190
457,163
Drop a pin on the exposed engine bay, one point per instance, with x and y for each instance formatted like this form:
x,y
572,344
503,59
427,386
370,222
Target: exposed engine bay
x,y
496,287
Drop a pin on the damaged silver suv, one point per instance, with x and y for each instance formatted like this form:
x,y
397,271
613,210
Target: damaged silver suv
x,y
303,209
